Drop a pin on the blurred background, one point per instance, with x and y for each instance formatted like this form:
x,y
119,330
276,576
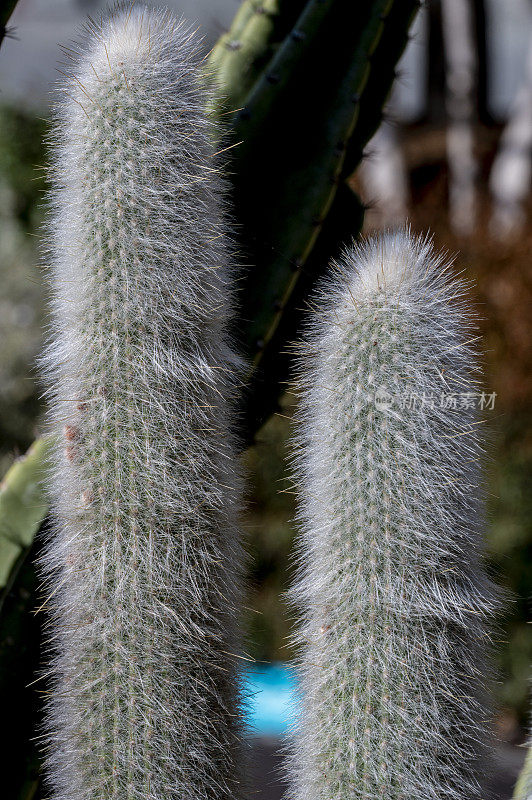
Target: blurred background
x,y
453,156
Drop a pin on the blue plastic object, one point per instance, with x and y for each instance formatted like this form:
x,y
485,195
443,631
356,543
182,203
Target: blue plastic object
x,y
270,699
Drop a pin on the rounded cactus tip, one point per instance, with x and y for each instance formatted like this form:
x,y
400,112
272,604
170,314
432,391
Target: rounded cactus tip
x,y
391,262
127,50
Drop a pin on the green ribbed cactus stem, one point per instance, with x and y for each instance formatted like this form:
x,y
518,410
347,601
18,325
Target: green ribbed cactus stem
x,y
523,787
143,567
380,81
233,58
23,505
315,82
224,44
271,83
393,598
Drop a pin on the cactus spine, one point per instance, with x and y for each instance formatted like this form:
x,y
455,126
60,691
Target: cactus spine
x,y
392,594
144,564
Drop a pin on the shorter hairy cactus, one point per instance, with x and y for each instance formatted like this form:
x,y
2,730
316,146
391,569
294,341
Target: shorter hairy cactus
x,y
392,595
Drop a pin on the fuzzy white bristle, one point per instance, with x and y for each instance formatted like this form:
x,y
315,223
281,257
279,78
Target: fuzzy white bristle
x,y
392,597
144,564
389,263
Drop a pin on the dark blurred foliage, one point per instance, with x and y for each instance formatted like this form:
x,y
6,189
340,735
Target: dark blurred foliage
x,y
21,292
270,530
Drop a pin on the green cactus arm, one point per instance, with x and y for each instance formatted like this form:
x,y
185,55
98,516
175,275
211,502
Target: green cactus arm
x,y
20,640
238,25
246,41
23,506
271,83
242,54
387,54
289,168
523,787
293,210
297,217
343,221
234,73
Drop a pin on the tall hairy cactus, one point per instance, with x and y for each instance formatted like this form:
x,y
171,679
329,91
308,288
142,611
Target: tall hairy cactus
x,y
392,594
144,563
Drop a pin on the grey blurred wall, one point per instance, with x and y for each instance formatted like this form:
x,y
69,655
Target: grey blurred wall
x,y
28,63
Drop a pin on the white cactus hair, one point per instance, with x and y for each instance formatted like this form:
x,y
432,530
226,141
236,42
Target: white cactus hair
x,y
144,564
392,597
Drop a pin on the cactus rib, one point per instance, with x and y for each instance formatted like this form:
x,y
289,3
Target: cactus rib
x,y
387,53
271,83
143,566
393,599
346,215
224,44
